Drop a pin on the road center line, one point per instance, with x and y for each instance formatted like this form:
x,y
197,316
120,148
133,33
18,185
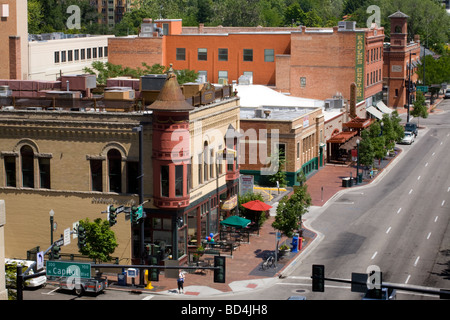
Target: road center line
x,y
435,219
426,164
407,279
429,235
442,203
389,229
374,255
410,191
433,153
418,178
417,260
398,211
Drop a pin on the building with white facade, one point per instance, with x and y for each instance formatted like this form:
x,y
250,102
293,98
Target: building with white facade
x,y
49,59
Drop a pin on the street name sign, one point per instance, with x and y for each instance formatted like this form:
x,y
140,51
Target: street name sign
x,y
68,269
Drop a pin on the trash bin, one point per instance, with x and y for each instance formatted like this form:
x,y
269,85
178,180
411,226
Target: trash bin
x,y
360,177
346,182
294,244
122,279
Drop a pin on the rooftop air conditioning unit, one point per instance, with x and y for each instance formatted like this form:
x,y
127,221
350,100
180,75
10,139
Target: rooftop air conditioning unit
x,y
346,25
259,113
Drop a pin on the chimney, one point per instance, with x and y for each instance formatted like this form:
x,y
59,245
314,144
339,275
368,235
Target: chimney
x,y
200,27
15,60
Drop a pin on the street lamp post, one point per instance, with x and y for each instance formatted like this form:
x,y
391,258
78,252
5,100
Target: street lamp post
x,y
52,213
139,130
409,83
357,161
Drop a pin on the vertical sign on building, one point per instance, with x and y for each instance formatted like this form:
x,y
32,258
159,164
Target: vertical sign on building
x,y
359,66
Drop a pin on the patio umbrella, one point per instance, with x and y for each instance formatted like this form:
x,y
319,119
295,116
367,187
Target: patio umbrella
x,y
235,221
256,205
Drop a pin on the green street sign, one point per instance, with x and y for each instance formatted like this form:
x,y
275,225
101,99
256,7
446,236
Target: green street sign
x,y
68,269
422,88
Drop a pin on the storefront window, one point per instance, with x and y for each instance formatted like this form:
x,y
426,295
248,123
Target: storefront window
x,y
192,227
182,242
213,221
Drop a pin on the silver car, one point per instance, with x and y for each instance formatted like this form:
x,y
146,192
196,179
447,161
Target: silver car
x,y
408,138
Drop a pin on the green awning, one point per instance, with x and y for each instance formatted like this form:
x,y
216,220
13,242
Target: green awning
x,y
235,221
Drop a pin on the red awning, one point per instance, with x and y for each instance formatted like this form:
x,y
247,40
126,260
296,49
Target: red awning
x,y
342,137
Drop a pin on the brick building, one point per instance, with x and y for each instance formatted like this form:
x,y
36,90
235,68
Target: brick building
x,y
308,62
400,61
14,39
76,163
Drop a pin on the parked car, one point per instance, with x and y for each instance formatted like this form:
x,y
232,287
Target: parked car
x,y
447,94
408,138
386,294
411,127
33,282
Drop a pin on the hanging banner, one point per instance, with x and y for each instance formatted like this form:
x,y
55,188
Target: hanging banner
x,y
359,66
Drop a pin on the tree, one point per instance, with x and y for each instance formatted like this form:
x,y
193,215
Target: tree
x,y
290,211
106,70
366,152
35,16
100,240
280,175
420,109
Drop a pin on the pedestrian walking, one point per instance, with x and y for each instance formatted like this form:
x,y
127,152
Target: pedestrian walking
x,y
180,282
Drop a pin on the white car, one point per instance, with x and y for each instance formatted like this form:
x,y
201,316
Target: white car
x,y
33,282
447,94
408,138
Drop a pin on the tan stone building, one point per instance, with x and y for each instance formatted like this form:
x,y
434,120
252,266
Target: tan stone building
x,y
76,163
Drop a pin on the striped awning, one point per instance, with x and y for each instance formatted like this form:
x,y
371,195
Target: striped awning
x,y
375,112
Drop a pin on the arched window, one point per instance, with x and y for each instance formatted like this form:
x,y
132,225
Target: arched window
x,y
205,161
115,170
27,157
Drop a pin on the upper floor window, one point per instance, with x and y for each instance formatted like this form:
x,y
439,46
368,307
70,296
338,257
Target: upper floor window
x,y
202,54
96,175
10,170
181,54
269,55
27,159
115,170
248,54
223,54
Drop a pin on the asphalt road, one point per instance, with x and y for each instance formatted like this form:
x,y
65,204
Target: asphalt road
x,y
400,223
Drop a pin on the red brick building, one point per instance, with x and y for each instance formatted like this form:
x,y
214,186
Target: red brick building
x,y
400,61
309,62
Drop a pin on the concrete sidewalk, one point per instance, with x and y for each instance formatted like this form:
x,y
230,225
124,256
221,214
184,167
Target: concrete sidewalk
x,y
243,271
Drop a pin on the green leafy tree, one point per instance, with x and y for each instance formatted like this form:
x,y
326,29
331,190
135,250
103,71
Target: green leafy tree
x,y
420,109
106,70
290,211
366,152
100,240
280,175
35,16
378,141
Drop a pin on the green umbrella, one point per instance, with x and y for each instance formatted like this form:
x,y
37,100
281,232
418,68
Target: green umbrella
x,y
235,221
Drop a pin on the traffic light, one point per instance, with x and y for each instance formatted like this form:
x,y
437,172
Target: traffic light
x,y
219,273
153,272
55,252
136,214
318,278
112,215
81,236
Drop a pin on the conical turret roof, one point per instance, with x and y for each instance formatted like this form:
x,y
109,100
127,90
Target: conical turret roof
x,y
171,97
